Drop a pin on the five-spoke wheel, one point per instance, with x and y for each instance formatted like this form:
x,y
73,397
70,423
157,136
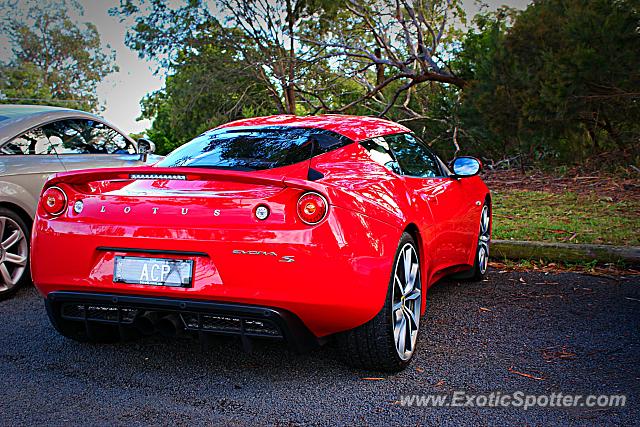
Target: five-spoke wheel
x,y
406,299
14,252
483,240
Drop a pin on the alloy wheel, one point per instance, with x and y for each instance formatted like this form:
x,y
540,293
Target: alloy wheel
x,y
14,250
483,240
406,299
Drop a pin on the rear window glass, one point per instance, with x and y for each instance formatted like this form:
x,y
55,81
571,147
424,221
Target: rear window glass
x,y
254,148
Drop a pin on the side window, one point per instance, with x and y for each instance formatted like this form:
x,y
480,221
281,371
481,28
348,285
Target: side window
x,y
379,151
415,159
88,137
33,142
70,137
325,141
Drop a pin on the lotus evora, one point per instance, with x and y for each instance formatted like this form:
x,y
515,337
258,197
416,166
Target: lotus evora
x,y
286,227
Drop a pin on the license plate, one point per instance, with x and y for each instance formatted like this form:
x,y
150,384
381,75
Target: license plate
x,y
153,271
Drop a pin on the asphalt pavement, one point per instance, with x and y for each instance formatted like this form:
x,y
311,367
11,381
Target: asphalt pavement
x,y
531,332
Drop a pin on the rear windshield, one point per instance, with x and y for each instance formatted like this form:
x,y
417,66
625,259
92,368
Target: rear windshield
x,y
253,148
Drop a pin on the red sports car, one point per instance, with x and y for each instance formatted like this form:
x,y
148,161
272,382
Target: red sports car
x,y
296,228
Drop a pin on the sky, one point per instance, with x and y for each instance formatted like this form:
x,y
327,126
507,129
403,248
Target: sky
x,y
121,92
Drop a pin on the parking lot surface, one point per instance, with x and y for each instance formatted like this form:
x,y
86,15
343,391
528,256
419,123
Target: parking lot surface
x,y
531,332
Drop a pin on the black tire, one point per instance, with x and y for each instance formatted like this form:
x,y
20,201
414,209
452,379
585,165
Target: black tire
x,y
7,290
481,262
372,346
79,331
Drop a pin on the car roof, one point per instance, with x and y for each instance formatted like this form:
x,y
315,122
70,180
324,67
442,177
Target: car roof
x,y
356,128
16,119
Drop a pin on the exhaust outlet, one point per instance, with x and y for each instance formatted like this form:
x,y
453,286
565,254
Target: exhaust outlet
x,y
170,326
146,323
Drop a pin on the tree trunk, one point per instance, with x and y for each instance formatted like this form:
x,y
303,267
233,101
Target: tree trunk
x,y
379,67
290,91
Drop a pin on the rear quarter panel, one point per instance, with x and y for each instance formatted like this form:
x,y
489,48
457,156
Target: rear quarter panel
x,y
357,183
22,178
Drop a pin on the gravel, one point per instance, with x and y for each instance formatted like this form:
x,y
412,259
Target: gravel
x,y
575,333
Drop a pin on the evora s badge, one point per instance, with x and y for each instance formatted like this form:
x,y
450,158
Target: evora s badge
x,y
285,258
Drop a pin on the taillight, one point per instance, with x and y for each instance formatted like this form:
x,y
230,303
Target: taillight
x,y
54,201
312,208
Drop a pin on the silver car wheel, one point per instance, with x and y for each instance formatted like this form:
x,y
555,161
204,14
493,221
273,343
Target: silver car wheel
x,y
483,240
14,251
406,299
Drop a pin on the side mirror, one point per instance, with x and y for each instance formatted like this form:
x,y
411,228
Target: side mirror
x,y
145,147
466,166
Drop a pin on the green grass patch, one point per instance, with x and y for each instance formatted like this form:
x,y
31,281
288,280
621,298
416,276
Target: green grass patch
x,y
566,217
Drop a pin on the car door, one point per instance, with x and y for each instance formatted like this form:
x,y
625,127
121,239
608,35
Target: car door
x,y
26,162
433,191
86,144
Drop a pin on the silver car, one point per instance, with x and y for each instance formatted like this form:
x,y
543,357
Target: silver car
x,y
35,142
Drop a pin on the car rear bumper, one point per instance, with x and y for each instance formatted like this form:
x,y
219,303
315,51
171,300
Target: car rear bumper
x,y
199,317
338,281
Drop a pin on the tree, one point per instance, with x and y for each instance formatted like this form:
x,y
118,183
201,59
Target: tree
x,y
262,35
557,81
270,27
561,83
55,61
205,89
207,81
393,45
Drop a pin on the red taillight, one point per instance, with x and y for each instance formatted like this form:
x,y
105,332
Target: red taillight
x,y
312,208
54,201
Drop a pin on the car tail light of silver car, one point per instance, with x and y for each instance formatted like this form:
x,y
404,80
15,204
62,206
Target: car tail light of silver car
x,y
312,208
54,201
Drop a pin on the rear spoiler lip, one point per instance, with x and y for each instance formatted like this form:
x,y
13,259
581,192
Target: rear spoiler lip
x,y
192,174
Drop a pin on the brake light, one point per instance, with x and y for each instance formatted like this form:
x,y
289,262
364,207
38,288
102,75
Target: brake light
x,y
312,208
54,201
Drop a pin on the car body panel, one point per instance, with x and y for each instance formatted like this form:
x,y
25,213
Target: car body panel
x,y
453,214
333,275
22,178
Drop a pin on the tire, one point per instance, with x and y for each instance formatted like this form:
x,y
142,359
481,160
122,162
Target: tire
x,y
15,238
481,262
375,345
79,331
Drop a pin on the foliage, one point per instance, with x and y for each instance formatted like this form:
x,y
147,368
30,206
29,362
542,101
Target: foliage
x,y
556,83
553,84
258,34
206,89
391,46
276,45
208,81
55,61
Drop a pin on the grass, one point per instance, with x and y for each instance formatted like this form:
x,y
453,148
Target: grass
x,y
565,217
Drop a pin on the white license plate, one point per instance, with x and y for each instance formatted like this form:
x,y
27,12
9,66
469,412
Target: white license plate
x,y
153,271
